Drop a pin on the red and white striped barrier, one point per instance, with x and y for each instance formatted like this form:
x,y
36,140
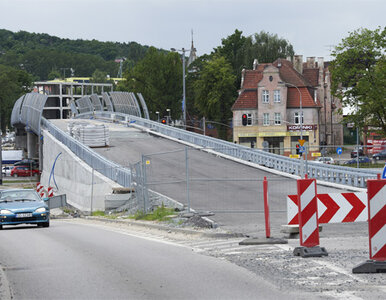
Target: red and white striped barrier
x,y
40,189
50,192
377,219
308,220
333,208
376,191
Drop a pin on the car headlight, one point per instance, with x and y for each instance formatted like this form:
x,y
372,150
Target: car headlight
x,y
5,212
40,210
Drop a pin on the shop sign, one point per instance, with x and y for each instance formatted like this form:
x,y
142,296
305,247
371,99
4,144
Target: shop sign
x,y
304,127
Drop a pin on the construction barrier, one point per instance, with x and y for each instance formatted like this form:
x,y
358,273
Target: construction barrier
x,y
50,192
376,190
266,209
308,220
333,208
40,189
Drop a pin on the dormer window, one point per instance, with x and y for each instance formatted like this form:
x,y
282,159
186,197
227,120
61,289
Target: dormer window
x,y
265,96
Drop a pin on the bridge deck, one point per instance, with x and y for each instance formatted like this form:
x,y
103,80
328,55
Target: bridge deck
x,y
215,183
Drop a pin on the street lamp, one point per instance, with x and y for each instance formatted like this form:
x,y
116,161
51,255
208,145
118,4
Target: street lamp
x,y
301,127
301,109
157,112
183,50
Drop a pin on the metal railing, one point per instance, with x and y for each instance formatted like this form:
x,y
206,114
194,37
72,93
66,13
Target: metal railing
x,y
329,173
108,168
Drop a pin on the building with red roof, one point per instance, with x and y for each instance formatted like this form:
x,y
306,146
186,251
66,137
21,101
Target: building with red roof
x,y
271,100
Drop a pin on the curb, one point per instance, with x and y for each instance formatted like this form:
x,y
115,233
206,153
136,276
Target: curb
x,y
168,229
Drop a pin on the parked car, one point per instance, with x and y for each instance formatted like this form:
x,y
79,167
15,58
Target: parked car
x,y
23,171
6,171
354,152
380,155
23,206
325,160
27,162
362,160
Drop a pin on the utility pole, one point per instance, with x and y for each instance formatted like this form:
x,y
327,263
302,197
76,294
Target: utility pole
x,y
1,153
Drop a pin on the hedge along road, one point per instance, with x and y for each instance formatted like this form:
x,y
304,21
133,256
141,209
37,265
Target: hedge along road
x,y
225,187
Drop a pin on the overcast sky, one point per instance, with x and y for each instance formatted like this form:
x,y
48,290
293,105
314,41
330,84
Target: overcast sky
x,y
311,26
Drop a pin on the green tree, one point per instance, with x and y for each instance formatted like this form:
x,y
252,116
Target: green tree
x,y
99,77
241,51
53,74
159,78
215,92
232,49
266,48
13,84
359,77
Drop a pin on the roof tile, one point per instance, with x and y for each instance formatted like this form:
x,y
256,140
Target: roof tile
x,y
246,100
293,99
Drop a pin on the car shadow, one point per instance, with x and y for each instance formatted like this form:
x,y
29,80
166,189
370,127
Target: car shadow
x,y
16,227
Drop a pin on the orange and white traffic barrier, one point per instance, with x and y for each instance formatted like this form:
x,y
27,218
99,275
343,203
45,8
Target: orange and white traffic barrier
x,y
376,191
308,220
50,192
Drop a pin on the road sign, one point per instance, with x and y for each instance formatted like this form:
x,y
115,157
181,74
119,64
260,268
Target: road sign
x,y
302,149
339,150
384,173
301,142
333,208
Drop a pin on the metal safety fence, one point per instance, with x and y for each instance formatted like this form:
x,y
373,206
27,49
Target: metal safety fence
x,y
204,182
212,186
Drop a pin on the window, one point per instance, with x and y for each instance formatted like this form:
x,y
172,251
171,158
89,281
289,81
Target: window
x,y
276,96
297,118
265,96
266,119
277,119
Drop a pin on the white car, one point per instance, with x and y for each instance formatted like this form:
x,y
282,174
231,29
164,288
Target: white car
x,y
325,160
6,171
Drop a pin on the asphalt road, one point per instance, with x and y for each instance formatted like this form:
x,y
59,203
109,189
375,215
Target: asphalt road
x,y
78,261
232,190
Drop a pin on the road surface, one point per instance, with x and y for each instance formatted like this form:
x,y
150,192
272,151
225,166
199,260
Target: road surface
x,y
80,261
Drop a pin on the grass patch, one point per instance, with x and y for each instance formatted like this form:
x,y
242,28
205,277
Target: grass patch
x,y
18,181
159,214
98,213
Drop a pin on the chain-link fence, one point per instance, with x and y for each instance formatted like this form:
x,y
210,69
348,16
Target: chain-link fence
x,y
205,182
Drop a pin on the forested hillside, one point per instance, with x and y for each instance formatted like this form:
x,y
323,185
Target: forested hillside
x,y
41,54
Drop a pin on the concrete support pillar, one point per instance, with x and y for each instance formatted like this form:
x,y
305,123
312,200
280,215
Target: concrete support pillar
x,y
32,142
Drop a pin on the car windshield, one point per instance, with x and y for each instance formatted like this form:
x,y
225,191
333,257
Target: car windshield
x,y
19,195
